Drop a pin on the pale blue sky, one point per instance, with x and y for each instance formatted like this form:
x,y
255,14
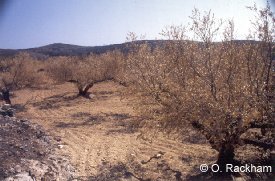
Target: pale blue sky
x,y
32,23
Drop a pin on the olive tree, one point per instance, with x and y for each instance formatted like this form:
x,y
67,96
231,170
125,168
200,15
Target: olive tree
x,y
219,88
83,72
16,73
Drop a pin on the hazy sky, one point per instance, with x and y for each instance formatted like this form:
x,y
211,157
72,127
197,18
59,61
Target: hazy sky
x,y
32,23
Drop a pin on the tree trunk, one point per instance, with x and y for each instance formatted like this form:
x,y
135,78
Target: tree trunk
x,y
6,96
226,156
83,91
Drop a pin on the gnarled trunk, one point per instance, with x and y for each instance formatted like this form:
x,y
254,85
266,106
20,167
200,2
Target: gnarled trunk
x,y
226,149
6,96
83,91
226,156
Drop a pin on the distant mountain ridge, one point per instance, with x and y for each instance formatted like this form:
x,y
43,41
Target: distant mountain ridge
x,y
61,49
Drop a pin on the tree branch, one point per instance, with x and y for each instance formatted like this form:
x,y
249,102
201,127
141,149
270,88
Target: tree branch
x,y
262,144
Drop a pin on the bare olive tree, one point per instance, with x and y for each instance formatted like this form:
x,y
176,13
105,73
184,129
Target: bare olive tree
x,y
84,72
219,88
16,73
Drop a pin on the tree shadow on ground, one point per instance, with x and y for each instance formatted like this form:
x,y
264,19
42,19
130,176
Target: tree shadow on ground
x,y
117,172
20,108
118,116
134,170
124,123
56,101
103,92
87,121
102,95
67,99
80,114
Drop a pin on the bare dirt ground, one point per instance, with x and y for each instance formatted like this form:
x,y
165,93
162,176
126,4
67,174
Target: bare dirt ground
x,y
100,138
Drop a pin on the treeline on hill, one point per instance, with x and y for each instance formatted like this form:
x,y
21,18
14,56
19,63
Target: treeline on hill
x,y
221,89
60,49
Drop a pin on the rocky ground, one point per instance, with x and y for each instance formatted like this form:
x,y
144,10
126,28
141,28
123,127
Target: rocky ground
x,y
28,153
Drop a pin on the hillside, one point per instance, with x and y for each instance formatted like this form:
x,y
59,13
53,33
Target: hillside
x,y
60,49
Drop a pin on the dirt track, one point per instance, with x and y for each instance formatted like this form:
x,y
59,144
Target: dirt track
x,y
99,138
